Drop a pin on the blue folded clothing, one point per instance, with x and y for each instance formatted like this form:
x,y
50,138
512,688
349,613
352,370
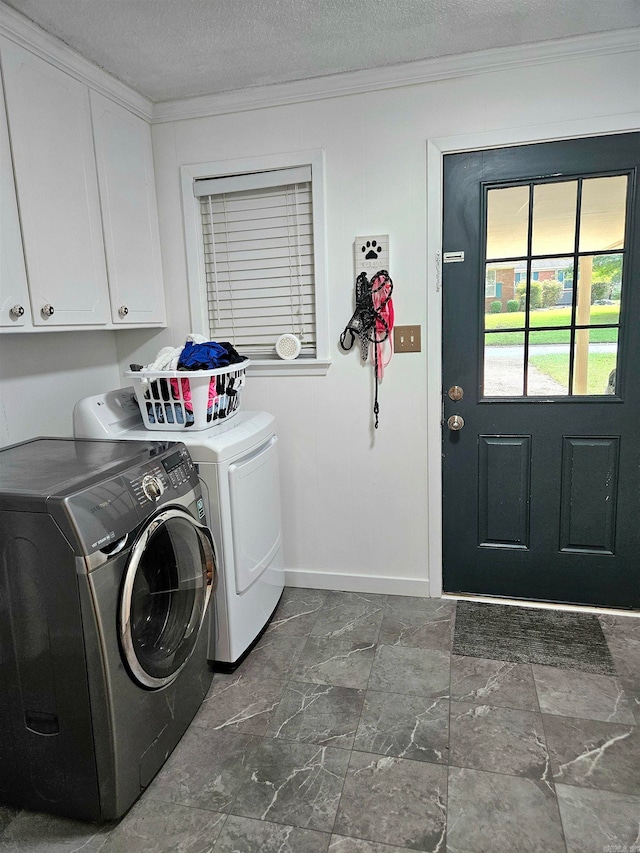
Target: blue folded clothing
x,y
207,356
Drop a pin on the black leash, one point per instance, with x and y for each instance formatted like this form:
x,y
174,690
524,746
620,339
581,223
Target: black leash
x,y
364,324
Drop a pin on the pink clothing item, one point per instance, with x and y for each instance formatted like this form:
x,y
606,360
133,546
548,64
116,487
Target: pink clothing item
x,y
186,392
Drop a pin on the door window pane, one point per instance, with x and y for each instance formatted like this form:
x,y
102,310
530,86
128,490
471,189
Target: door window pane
x,y
595,362
551,291
502,304
504,365
548,365
507,222
603,213
599,288
554,218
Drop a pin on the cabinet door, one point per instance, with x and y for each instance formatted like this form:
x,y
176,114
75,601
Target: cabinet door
x,y
52,143
129,213
14,296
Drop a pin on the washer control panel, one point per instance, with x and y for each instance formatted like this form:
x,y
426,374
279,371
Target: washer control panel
x,y
178,467
153,487
150,486
172,471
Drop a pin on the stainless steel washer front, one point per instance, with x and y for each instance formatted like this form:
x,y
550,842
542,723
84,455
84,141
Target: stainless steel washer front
x,y
106,572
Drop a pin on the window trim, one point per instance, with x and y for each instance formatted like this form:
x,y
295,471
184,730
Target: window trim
x,y
196,277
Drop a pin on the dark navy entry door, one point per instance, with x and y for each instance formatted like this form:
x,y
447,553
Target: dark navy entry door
x,y
541,372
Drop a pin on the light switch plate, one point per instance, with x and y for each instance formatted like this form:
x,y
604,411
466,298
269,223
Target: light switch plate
x,y
406,339
371,254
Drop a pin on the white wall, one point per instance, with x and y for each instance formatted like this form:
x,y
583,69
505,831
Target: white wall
x,y
43,375
355,501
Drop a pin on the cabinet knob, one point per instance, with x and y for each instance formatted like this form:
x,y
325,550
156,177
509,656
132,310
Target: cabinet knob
x,y
17,311
47,310
123,311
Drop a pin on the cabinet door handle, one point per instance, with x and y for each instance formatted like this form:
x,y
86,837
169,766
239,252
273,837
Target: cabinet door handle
x,y
123,311
47,311
17,311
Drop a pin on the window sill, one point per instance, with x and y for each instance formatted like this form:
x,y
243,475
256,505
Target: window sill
x,y
281,367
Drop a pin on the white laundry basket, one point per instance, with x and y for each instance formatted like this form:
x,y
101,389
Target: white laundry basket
x,y
188,399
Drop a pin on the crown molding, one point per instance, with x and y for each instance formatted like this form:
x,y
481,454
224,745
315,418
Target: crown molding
x,y
24,32
392,76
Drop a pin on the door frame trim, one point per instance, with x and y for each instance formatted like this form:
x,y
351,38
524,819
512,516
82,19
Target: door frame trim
x,y
437,148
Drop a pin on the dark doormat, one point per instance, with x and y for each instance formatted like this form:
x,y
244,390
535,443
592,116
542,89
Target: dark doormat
x,y
527,635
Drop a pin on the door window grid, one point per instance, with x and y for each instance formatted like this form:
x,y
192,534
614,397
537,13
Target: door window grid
x,y
577,332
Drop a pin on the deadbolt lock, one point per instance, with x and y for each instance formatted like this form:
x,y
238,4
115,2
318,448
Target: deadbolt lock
x,y
455,393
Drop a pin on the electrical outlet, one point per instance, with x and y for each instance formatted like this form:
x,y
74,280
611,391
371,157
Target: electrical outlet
x,y
406,339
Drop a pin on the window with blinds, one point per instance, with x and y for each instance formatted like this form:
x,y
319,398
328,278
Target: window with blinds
x,y
258,245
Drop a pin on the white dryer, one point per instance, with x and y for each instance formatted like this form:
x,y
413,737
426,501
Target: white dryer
x,y
237,461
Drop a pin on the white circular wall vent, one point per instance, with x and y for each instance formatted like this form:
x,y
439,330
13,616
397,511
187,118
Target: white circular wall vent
x,y
288,346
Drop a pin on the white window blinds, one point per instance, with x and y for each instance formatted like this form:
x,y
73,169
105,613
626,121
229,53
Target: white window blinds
x,y
259,259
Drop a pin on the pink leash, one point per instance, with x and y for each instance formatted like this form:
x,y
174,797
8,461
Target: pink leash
x,y
381,287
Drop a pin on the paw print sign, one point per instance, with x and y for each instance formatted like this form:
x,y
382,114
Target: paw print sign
x,y
371,254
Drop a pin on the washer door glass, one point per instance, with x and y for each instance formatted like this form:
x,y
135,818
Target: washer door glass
x,y
166,590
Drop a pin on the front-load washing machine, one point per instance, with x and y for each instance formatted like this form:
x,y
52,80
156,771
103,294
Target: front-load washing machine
x,y
106,571
238,466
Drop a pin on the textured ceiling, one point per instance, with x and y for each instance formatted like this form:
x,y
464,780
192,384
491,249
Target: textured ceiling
x,y
168,49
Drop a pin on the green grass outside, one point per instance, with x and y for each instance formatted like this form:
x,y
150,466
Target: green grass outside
x,y
557,367
551,317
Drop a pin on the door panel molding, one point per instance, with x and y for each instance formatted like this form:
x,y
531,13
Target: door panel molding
x,y
588,502
504,467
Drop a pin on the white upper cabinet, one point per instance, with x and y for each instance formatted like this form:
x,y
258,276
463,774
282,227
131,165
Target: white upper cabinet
x,y
14,297
52,145
129,213
84,184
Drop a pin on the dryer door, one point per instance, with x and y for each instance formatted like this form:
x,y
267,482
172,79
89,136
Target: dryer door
x,y
254,488
168,581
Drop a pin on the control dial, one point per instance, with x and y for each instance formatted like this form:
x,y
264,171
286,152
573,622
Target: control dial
x,y
152,487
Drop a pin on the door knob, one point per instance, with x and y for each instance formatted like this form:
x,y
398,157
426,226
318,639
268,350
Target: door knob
x,y
455,422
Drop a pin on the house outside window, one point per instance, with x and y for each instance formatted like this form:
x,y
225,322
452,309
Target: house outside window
x,y
490,284
256,257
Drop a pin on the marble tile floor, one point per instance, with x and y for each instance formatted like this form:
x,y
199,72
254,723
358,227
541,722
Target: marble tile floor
x,y
351,728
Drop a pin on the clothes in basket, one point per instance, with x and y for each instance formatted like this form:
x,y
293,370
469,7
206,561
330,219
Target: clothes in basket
x,y
203,386
164,414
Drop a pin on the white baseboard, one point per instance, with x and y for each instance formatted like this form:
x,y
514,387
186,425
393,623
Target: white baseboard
x,y
357,583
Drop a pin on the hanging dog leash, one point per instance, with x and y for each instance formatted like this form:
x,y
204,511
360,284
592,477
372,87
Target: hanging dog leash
x,y
372,323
